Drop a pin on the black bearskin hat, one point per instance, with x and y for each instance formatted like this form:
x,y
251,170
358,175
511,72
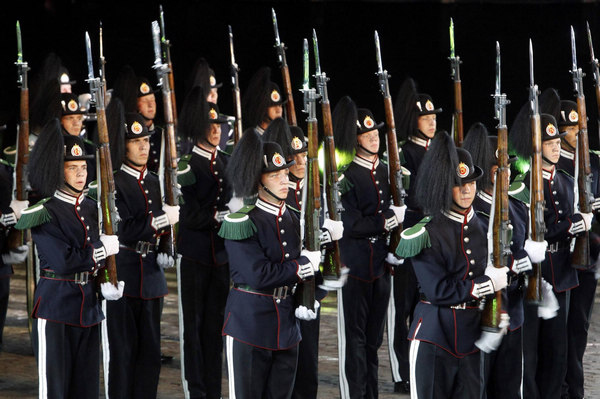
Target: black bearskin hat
x,y
47,106
568,115
203,75
126,88
245,165
192,122
344,119
478,144
115,122
279,132
260,94
549,102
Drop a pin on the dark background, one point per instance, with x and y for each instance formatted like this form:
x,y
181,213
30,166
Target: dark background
x,y
414,41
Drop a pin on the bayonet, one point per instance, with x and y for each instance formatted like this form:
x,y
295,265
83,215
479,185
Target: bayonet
x,y
452,54
19,45
455,62
500,100
88,52
320,76
235,86
278,43
158,64
381,73
533,89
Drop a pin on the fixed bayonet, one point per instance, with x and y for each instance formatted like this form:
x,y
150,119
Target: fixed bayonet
x,y
576,72
381,73
594,60
22,66
457,125
533,89
278,43
156,42
88,52
19,45
320,76
500,100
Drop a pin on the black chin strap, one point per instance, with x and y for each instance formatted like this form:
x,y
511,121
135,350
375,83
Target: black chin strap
x,y
463,210
422,135
569,148
70,187
271,193
364,149
549,161
204,140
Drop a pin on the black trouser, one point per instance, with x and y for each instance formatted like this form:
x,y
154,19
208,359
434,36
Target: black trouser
x,y
405,298
580,310
501,370
545,351
256,373
68,360
203,291
363,308
133,326
307,374
437,374
4,291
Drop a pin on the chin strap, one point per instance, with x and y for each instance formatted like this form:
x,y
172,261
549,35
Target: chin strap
x,y
462,210
547,160
271,193
70,187
367,151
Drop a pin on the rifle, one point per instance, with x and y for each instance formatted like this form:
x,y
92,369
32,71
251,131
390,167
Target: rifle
x,y
235,86
537,203
170,187
499,221
455,74
594,62
333,205
285,72
166,49
108,216
311,191
395,170
581,253
102,66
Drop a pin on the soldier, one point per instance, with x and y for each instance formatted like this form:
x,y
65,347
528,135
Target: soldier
x,y
266,263
417,124
449,256
368,218
262,102
71,250
204,278
133,323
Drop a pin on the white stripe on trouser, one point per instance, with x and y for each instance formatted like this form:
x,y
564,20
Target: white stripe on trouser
x,y
344,390
105,349
230,374
412,363
391,332
43,382
186,391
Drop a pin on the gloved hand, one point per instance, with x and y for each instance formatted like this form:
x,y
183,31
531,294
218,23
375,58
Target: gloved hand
x,y
172,212
16,256
399,212
498,276
220,216
393,259
490,341
111,244
304,313
314,257
521,265
18,206
235,204
110,292
587,218
331,285
335,228
536,250
549,306
165,260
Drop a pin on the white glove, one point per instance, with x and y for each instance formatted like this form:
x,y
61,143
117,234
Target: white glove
x,y
314,257
490,341
596,204
393,259
172,212
110,292
15,256
587,218
498,276
335,228
305,271
220,216
304,313
164,260
522,265
536,250
235,204
331,285
399,212
18,206
111,244
549,306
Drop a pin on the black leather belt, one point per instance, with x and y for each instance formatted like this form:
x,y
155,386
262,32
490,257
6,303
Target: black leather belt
x,y
559,246
278,293
141,247
79,278
465,305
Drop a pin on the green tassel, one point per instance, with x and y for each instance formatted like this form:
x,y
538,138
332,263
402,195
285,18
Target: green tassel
x,y
405,178
10,154
519,191
93,190
238,226
34,216
414,239
186,177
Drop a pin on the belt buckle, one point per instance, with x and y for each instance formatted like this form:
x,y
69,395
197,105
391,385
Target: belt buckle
x,y
142,248
460,306
82,278
280,293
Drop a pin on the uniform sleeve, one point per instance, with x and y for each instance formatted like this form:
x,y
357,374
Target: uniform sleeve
x,y
197,212
132,228
356,224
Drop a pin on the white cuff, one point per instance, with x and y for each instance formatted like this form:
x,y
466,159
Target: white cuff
x,y
159,222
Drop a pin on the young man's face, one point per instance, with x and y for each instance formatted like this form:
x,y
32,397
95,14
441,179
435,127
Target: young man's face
x,y
75,174
137,150
427,124
299,168
72,123
369,141
277,183
551,150
463,195
147,106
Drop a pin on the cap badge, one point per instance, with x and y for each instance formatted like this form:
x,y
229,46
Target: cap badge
x,y
278,160
296,143
136,127
76,150
368,122
144,88
64,78
573,116
212,114
550,130
212,80
275,96
72,105
429,105
462,170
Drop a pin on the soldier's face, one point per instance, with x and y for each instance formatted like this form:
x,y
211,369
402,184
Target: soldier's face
x,y
463,195
275,111
299,168
137,150
214,134
427,125
72,124
75,174
276,182
571,136
213,95
551,150
368,140
147,106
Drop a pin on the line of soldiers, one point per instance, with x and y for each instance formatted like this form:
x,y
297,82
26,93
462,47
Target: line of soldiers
x,y
241,258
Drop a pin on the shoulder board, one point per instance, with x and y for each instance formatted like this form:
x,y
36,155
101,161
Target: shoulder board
x,y
35,215
414,239
10,153
595,152
238,225
564,172
229,147
92,192
185,175
344,184
483,214
153,173
90,142
223,152
405,177
401,153
5,162
519,191
383,161
292,208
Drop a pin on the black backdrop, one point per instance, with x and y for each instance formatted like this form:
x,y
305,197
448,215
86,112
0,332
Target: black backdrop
x,y
414,40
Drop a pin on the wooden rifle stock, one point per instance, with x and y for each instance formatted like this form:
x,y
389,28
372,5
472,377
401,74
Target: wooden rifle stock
x,y
458,113
287,87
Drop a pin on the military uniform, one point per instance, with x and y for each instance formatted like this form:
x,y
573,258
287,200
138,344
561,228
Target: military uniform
x,y
7,220
156,136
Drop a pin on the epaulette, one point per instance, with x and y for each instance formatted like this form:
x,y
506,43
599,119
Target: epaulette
x,y
5,162
10,154
185,175
483,213
344,184
384,161
564,172
292,208
90,142
33,216
238,225
223,152
414,239
405,177
401,153
518,189
229,147
93,190
595,152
